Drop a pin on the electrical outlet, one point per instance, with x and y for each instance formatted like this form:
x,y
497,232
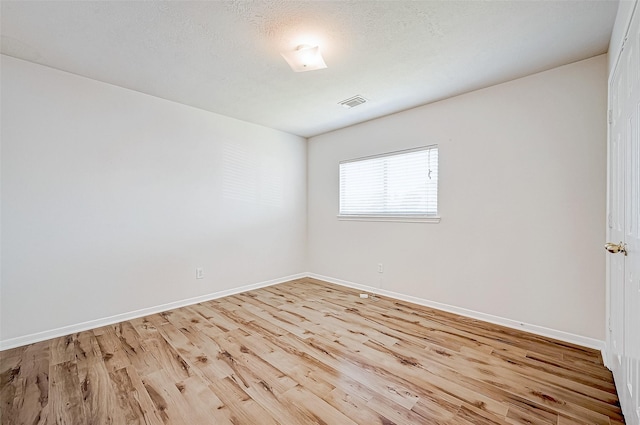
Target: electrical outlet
x,y
199,273
380,268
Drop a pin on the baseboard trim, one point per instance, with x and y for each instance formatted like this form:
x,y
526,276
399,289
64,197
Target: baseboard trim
x,y
509,323
606,355
92,324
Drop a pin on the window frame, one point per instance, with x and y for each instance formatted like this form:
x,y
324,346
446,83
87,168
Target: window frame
x,y
409,218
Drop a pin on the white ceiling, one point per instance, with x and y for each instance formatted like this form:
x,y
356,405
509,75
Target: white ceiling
x,y
224,56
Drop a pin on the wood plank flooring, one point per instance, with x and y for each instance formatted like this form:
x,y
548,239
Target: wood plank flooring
x,y
305,352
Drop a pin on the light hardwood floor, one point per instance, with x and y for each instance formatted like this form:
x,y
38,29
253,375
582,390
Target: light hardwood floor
x,y
305,352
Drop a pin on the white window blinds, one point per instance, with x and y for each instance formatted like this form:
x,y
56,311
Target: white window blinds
x,y
396,184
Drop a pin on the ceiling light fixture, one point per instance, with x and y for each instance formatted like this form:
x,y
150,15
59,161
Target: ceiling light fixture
x,y
305,58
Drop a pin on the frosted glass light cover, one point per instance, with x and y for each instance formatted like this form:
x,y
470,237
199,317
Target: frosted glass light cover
x,y
305,58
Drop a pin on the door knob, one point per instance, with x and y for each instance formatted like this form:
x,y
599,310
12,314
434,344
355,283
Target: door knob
x,y
614,248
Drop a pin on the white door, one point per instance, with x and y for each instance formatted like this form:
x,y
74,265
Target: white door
x,y
624,225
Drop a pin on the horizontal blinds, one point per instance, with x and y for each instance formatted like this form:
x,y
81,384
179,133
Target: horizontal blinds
x,y
401,183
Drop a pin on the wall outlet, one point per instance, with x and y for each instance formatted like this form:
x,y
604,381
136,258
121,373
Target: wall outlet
x,y
380,268
199,273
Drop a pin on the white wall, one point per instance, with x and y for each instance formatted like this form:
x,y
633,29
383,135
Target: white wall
x,y
111,198
522,200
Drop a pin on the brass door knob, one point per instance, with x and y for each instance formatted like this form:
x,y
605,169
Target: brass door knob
x,y
615,248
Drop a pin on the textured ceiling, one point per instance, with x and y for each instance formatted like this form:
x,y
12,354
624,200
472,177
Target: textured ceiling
x,y
224,56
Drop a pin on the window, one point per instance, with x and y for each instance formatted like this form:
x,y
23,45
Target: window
x,y
395,186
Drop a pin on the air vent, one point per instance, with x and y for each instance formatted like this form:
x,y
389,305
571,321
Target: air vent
x,y
352,102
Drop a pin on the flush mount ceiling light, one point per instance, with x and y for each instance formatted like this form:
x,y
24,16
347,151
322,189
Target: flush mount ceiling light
x,y
305,58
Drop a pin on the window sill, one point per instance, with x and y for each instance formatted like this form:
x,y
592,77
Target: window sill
x,y
397,218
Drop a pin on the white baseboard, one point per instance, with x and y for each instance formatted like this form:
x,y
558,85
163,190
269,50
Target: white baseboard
x,y
92,324
605,355
514,324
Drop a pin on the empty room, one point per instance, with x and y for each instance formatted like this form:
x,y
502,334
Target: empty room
x,y
320,212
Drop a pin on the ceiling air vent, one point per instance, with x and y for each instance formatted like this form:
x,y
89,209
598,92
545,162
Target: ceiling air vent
x,y
352,102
